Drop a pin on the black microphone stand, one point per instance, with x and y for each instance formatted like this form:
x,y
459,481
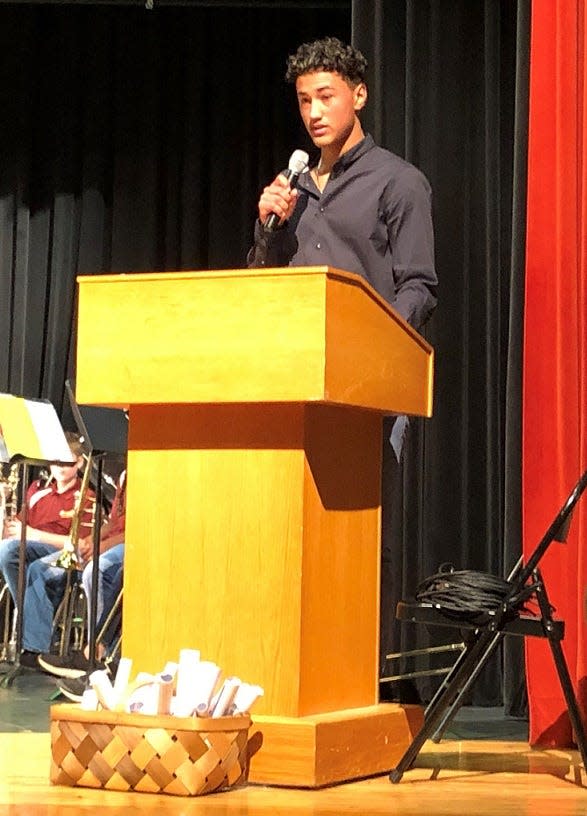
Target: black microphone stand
x,y
93,600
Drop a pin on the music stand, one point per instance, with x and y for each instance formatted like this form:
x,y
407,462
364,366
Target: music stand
x,y
30,434
104,431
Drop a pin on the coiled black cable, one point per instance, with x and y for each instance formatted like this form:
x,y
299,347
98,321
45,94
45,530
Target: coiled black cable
x,y
467,594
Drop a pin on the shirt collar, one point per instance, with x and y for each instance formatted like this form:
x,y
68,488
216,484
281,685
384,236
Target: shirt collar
x,y
345,161
353,154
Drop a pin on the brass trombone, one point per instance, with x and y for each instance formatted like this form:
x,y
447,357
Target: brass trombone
x,y
69,560
68,557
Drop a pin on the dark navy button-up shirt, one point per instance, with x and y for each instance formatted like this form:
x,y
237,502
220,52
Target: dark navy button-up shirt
x,y
372,218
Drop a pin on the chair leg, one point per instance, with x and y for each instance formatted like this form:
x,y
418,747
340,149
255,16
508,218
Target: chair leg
x,y
571,700
435,713
65,643
563,672
110,616
458,701
62,616
104,629
448,678
114,655
65,619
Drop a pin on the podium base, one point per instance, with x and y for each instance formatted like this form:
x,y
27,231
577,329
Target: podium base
x,y
323,749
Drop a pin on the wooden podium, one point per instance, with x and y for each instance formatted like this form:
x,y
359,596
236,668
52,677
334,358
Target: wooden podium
x,y
253,508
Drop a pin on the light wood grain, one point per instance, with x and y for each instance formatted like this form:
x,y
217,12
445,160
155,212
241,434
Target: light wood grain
x,y
268,557
470,778
213,552
272,335
372,355
315,751
253,508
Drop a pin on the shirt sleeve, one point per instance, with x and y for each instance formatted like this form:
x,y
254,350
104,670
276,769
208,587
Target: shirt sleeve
x,y
408,210
271,247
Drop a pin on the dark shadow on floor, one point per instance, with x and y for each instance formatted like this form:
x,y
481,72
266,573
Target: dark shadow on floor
x,y
477,723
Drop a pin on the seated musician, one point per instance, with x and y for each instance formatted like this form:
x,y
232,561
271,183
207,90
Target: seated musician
x,y
45,585
49,511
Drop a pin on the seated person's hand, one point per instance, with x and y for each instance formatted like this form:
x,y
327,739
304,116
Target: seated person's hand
x,y
12,529
84,549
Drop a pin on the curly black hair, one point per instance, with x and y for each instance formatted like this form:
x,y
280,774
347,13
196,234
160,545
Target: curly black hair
x,y
329,54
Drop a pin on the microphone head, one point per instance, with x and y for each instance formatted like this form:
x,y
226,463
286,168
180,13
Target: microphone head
x,y
298,162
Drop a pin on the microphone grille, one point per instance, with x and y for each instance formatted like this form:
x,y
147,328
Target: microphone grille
x,y
298,162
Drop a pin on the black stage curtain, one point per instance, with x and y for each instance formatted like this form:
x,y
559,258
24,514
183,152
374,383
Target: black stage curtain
x,y
132,140
138,139
449,89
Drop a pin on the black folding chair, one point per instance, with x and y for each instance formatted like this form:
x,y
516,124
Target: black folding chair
x,y
488,628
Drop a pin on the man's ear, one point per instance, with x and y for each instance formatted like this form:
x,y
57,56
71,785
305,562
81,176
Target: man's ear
x,y
360,96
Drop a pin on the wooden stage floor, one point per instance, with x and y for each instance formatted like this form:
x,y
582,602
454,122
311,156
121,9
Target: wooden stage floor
x,y
470,778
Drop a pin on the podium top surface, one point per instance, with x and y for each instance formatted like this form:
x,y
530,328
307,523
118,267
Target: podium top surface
x,y
292,334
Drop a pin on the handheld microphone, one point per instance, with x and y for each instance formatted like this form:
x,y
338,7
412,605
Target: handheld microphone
x,y
298,164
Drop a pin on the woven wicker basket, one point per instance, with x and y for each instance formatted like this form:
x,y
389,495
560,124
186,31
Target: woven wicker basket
x,y
161,754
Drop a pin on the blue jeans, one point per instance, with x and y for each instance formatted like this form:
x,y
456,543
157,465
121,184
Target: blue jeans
x,y
9,555
112,632
109,567
44,591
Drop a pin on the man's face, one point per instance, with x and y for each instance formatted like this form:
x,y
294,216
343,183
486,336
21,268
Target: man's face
x,y
328,106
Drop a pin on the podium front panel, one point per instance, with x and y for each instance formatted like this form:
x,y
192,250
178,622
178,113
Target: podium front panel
x,y
246,542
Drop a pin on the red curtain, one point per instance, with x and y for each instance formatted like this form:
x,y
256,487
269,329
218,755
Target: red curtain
x,y
555,346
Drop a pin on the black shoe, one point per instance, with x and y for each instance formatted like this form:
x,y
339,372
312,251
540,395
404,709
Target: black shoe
x,y
72,665
73,687
29,660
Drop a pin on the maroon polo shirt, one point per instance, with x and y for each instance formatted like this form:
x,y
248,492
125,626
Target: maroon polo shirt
x,y
51,511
